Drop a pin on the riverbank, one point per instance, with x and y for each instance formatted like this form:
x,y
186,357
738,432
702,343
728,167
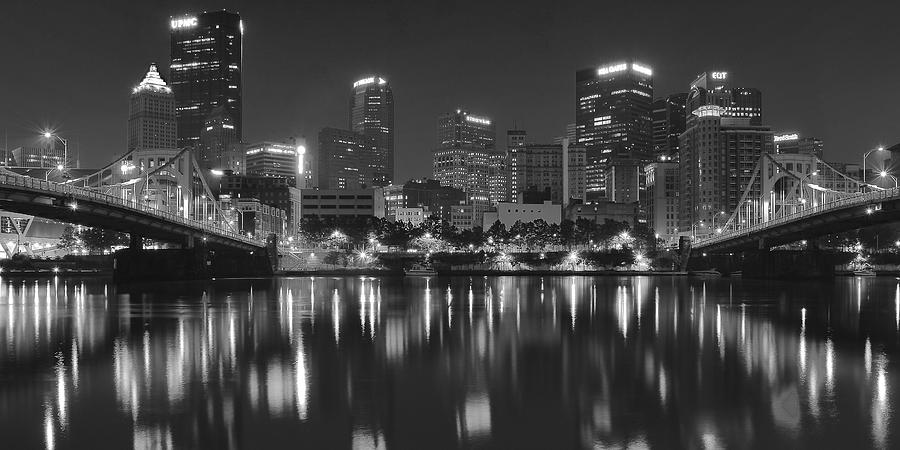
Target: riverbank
x,y
478,272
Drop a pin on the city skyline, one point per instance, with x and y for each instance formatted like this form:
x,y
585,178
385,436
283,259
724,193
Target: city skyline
x,y
804,92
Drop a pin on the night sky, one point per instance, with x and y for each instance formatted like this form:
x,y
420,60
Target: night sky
x,y
824,70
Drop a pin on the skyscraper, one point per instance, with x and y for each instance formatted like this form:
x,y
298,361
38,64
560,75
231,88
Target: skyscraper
x,y
669,121
341,159
372,115
613,118
793,142
219,147
712,88
553,172
273,159
205,72
461,129
151,114
718,157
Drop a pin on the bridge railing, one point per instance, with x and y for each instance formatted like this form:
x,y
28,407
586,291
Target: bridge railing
x,y
855,200
79,193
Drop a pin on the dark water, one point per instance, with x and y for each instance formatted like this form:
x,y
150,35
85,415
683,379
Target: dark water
x,y
554,362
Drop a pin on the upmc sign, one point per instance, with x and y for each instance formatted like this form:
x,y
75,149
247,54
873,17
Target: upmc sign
x,y
184,23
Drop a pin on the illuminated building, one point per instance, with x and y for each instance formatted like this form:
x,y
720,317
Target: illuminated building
x,y
460,129
718,158
278,192
662,198
272,159
372,115
554,171
510,213
475,170
219,147
38,156
151,114
712,88
613,118
427,194
205,71
342,159
669,121
624,179
793,142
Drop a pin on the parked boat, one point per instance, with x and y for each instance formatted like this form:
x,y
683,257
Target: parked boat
x,y
736,274
422,271
864,272
710,273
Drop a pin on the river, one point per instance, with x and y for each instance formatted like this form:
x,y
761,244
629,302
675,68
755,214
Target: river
x,y
483,362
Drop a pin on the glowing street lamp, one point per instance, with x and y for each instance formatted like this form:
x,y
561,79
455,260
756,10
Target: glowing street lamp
x,y
865,155
884,174
58,167
65,143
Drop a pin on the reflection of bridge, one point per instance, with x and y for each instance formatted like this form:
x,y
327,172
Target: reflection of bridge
x,y
156,194
785,203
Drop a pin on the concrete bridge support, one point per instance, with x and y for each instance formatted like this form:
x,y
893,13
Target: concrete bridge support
x,y
773,264
133,265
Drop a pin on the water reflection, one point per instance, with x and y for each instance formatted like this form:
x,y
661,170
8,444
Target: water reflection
x,y
500,362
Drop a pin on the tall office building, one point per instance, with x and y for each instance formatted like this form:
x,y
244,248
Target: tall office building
x,y
372,115
548,172
712,88
613,118
341,159
273,159
669,121
219,147
662,198
718,157
461,129
151,114
205,72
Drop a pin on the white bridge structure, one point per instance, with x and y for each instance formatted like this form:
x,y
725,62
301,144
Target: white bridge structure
x,y
793,197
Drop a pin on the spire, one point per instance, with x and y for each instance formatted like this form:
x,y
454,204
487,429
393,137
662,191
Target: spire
x,y
152,82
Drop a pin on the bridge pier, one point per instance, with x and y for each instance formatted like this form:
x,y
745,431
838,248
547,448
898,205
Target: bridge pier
x,y
198,263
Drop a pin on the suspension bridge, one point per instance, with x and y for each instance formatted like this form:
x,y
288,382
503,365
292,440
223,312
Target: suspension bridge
x,y
155,194
794,197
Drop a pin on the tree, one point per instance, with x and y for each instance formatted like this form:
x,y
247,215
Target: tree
x,y
69,237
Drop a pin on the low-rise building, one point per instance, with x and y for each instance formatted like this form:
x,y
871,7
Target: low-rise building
x,y
253,217
462,216
413,216
599,212
342,202
662,198
510,213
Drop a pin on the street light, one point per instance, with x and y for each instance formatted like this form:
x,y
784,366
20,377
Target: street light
x,y
58,167
65,143
879,149
884,174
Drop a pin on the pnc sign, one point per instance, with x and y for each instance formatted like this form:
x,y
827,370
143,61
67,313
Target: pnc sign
x,y
185,22
719,75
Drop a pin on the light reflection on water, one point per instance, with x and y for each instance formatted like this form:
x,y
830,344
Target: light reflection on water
x,y
504,362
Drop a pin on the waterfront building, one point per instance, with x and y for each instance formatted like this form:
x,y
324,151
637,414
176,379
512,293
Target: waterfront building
x,y
151,114
432,196
413,216
556,170
793,142
463,216
278,192
205,71
510,213
601,211
713,88
372,116
273,159
253,217
613,118
460,129
669,121
342,159
342,202
718,156
662,198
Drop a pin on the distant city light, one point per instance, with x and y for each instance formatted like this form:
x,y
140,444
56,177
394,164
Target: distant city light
x,y
642,69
